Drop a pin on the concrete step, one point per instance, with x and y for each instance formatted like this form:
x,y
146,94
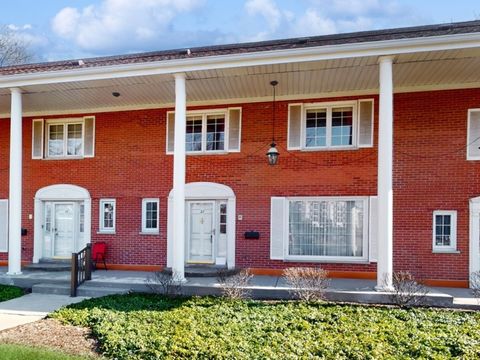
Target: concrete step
x,y
205,271
49,266
85,290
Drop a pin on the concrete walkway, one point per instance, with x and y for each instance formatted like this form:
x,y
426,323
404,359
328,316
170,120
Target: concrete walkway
x,y
30,308
263,287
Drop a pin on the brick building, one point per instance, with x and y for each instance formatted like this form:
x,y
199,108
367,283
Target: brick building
x,y
163,156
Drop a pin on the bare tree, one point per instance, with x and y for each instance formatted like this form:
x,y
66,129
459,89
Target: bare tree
x,y
13,48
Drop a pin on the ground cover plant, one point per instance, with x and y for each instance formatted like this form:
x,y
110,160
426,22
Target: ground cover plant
x,y
148,326
8,292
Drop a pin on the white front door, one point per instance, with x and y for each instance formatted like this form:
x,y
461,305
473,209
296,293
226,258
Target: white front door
x,y
63,230
201,232
474,235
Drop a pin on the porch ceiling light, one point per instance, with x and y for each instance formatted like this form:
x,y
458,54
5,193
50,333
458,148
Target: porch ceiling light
x,y
115,94
272,153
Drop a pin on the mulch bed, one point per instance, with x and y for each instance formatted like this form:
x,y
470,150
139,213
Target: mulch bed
x,y
50,333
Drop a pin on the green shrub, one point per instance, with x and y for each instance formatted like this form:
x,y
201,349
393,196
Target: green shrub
x,y
8,292
138,326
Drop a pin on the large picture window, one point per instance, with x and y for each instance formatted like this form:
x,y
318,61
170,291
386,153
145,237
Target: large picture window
x,y
327,228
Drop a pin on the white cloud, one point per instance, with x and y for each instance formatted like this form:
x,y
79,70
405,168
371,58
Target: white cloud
x,y
120,24
322,17
267,9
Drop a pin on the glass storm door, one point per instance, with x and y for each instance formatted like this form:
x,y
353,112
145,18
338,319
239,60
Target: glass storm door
x,y
201,232
63,230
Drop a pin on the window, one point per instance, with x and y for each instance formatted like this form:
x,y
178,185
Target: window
x,y
327,228
444,231
330,126
150,212
208,131
63,138
107,215
205,133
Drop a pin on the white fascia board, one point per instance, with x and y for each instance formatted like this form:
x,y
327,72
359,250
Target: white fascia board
x,y
377,48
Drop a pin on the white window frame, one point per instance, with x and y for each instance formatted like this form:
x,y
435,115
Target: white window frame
x,y
329,106
334,259
65,123
469,121
102,228
453,232
204,114
144,216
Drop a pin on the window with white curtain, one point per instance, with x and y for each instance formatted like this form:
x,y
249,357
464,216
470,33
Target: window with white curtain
x,y
107,215
327,228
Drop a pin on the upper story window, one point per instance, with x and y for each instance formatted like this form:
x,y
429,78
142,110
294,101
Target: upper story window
x,y
63,138
336,125
208,131
444,231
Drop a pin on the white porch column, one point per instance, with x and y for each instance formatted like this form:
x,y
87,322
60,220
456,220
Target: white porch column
x,y
178,266
15,185
385,187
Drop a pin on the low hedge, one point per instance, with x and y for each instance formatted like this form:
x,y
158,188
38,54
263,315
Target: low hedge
x,y
8,292
144,326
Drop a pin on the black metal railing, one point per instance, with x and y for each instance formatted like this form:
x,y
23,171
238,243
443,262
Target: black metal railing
x,y
81,268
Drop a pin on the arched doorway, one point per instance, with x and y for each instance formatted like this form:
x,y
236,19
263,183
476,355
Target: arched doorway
x,y
62,221
209,225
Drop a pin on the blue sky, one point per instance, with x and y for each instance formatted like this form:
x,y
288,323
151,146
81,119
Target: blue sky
x,y
58,29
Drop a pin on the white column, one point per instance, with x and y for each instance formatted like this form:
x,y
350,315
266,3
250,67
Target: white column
x,y
178,266
15,185
385,188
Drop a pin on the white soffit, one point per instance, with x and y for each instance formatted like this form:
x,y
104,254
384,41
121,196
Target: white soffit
x,y
322,78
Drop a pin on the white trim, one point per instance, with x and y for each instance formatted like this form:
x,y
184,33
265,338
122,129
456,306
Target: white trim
x,y
333,259
236,101
6,226
146,230
468,134
474,236
92,117
341,51
239,108
41,140
453,232
101,224
302,115
329,106
372,100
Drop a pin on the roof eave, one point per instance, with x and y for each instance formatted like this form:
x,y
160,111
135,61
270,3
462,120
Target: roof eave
x,y
318,53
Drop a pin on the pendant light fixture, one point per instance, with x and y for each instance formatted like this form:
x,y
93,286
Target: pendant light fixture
x,y
273,153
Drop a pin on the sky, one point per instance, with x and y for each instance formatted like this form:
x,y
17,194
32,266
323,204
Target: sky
x,y
60,29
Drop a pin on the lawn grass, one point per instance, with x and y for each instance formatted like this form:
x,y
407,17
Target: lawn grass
x,y
8,292
20,352
143,326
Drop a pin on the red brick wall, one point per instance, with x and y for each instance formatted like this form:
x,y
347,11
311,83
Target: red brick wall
x,y
130,163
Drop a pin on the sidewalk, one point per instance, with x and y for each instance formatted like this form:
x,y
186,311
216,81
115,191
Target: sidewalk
x,y
30,308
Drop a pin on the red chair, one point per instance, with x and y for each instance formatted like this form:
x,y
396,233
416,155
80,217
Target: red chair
x,y
98,254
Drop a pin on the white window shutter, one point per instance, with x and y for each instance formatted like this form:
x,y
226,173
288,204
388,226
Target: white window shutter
x,y
365,123
170,132
473,139
89,131
294,126
234,129
373,229
3,225
37,139
277,228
